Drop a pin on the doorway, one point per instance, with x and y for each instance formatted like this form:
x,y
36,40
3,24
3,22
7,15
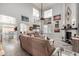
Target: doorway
x,y
23,27
7,25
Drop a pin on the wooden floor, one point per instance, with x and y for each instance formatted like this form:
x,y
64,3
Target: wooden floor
x,y
12,48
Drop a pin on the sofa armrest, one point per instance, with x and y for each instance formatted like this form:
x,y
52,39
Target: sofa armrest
x,y
1,51
57,52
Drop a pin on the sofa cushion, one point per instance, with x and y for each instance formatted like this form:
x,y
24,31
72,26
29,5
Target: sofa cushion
x,y
36,46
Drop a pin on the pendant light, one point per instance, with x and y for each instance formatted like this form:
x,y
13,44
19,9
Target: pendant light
x,y
42,12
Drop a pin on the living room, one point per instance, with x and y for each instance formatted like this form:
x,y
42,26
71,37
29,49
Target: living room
x,y
39,29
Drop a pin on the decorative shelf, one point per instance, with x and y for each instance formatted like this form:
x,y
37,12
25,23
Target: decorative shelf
x,y
69,29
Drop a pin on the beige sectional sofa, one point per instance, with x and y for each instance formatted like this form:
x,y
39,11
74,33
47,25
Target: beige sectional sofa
x,y
36,46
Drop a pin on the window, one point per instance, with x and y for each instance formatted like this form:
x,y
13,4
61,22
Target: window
x,y
48,13
45,27
35,12
7,19
35,15
23,27
7,25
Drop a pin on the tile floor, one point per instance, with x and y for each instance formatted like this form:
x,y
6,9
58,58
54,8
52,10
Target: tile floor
x,y
67,47
12,48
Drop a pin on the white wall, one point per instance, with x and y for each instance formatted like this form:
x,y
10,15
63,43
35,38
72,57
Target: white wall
x,y
72,6
60,9
57,9
16,10
25,9
77,13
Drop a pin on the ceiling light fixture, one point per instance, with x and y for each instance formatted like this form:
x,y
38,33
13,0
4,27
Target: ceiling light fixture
x,y
42,12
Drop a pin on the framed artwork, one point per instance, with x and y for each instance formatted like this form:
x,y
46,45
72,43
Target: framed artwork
x,y
24,18
57,17
68,13
57,30
57,27
57,24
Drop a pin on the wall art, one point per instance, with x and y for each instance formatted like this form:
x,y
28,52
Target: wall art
x,y
57,17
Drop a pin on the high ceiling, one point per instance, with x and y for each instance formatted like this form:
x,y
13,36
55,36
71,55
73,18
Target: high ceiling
x,y
45,5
